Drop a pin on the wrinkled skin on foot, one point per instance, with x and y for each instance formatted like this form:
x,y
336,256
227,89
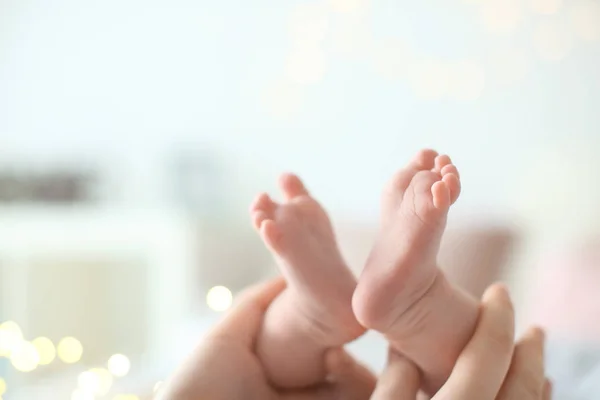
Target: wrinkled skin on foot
x,y
401,292
314,313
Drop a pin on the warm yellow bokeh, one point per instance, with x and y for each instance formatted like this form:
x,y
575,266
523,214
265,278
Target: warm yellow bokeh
x,y
70,350
24,357
219,298
88,382
79,394
96,381
2,386
104,380
119,365
10,337
45,349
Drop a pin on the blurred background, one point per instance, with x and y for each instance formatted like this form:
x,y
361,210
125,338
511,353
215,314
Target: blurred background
x,y
134,134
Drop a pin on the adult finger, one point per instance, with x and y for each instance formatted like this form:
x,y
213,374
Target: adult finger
x,y
244,320
480,369
347,380
526,378
547,390
400,380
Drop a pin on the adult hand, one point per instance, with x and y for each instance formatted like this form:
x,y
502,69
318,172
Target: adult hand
x,y
225,367
490,367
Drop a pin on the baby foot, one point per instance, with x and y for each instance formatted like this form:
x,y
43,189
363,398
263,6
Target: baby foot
x,y
415,205
315,310
401,292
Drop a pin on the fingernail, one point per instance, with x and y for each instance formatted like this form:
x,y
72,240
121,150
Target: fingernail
x,y
498,290
548,390
540,333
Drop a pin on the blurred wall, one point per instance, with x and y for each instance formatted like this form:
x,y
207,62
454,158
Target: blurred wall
x,y
340,91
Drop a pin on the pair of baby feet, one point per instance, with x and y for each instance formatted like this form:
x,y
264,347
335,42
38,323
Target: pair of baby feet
x,y
400,293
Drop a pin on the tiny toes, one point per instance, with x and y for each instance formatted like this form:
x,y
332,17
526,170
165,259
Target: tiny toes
x,y
441,162
263,203
441,195
292,186
450,169
453,183
258,217
425,159
271,235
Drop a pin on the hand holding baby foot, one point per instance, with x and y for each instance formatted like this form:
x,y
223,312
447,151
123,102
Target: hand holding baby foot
x,y
489,368
226,367
401,292
283,343
314,313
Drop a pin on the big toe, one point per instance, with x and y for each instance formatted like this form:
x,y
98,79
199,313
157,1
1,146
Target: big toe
x,y
440,162
396,188
292,186
427,195
425,159
262,209
271,236
441,195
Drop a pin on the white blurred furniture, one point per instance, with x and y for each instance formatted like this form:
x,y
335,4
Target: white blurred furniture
x,y
116,279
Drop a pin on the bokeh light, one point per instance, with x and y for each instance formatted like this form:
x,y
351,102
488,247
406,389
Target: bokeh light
x,y
585,20
392,58
2,386
13,327
219,298
24,357
45,349
96,381
79,394
546,7
69,350
119,365
10,337
157,386
104,379
551,41
88,382
467,80
501,16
